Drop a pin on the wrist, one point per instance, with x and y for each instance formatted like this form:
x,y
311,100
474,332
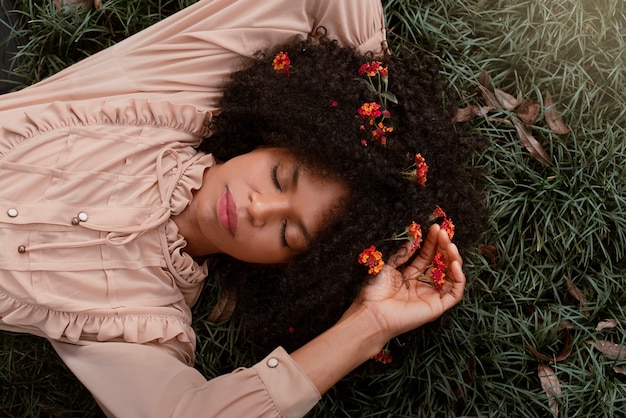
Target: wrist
x,y
366,327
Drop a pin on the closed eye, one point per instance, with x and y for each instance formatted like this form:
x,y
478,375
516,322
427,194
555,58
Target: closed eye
x,y
283,234
275,178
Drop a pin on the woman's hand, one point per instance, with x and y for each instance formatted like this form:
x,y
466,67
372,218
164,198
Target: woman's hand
x,y
395,302
399,301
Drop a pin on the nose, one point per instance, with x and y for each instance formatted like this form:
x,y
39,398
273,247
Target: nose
x,y
266,207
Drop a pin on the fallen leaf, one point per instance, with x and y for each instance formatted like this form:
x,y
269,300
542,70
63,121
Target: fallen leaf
x,y
578,295
528,111
224,307
553,118
551,386
489,98
609,348
608,323
489,252
620,369
470,112
531,144
565,352
485,80
506,100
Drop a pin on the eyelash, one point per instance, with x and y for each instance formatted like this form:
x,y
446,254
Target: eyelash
x,y
283,229
283,234
275,178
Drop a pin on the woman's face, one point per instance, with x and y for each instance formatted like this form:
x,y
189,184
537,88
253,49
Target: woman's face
x,y
260,207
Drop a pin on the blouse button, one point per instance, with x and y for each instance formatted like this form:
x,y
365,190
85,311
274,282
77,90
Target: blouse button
x,y
12,212
272,362
82,216
75,221
21,249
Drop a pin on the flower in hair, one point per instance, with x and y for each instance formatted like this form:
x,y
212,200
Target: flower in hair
x,y
447,224
418,172
413,233
281,63
438,212
369,111
376,80
373,259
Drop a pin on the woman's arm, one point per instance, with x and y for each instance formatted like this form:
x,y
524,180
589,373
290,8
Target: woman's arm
x,y
187,57
135,380
384,309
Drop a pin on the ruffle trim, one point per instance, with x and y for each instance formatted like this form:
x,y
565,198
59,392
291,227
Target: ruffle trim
x,y
74,327
129,112
190,274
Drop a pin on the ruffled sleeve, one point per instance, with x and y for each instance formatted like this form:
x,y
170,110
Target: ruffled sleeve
x,y
93,116
132,380
188,57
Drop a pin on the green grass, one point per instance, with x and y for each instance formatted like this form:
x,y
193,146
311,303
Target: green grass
x,y
549,224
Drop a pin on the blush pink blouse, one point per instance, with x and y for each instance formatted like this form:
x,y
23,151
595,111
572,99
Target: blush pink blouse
x,y
93,163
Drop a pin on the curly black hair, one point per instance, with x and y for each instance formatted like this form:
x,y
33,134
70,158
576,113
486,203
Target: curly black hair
x,y
312,112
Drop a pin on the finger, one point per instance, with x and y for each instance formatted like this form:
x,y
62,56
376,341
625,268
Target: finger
x,y
427,253
448,249
454,296
401,256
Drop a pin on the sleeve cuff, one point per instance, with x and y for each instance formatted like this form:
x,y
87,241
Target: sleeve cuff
x,y
291,390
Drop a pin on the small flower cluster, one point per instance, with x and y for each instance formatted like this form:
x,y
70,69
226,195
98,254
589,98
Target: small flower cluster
x,y
384,356
373,259
418,171
438,271
282,63
374,114
447,224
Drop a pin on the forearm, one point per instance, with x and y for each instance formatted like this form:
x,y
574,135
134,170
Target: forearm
x,y
335,353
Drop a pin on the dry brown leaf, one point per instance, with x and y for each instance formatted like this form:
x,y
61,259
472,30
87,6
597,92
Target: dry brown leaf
x,y
565,352
224,307
609,348
551,385
620,369
553,118
470,112
528,111
531,144
485,80
578,295
505,100
489,98
608,323
489,252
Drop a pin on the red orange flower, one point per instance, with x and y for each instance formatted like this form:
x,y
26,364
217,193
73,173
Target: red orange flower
x,y
369,110
448,226
370,69
372,259
380,133
438,213
384,356
438,271
281,63
421,169
414,232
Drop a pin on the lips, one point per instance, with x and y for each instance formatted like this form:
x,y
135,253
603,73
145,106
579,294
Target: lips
x,y
227,212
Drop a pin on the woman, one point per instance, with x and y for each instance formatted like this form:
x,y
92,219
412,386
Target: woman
x,y
112,214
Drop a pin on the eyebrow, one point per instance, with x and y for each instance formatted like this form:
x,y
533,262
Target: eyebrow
x,y
294,184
